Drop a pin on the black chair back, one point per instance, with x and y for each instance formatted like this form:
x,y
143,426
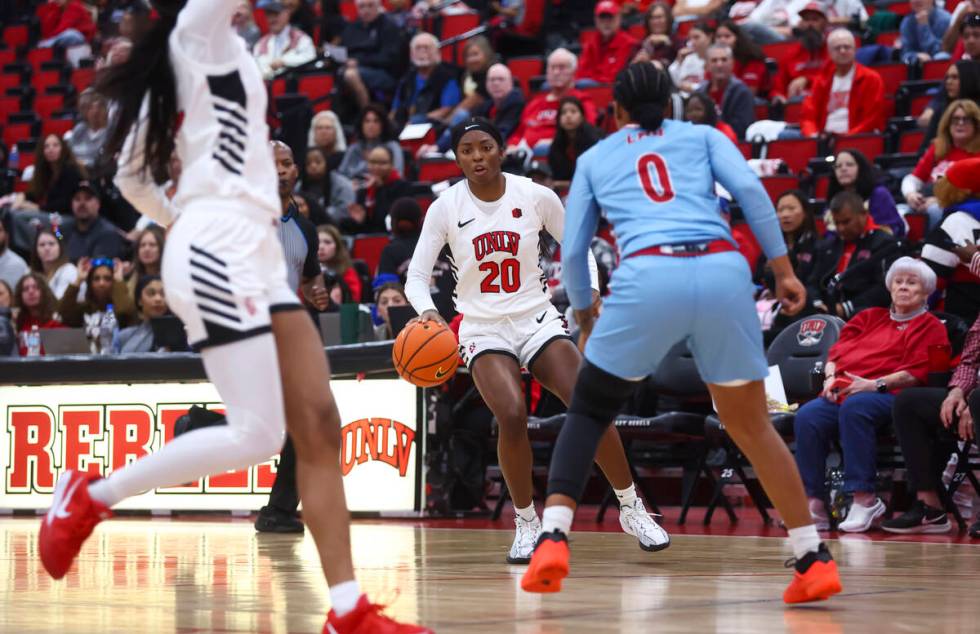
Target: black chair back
x,y
798,348
678,374
956,329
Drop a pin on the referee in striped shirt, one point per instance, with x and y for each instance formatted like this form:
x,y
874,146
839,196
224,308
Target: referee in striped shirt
x,y
299,244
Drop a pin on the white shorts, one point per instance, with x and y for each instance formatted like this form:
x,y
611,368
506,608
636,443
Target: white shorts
x,y
523,339
223,275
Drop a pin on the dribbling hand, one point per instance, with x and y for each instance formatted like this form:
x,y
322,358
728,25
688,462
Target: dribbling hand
x,y
430,315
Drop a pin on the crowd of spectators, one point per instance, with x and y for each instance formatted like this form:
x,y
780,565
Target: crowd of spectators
x,y
390,81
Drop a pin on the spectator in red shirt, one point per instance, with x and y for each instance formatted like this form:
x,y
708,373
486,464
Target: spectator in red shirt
x,y
539,119
801,65
958,138
881,351
750,61
65,23
607,50
37,306
847,98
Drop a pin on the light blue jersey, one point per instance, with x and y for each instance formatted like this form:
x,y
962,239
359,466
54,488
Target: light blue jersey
x,y
658,188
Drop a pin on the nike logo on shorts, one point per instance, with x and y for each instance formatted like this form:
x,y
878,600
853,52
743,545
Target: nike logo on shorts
x,y
541,318
463,224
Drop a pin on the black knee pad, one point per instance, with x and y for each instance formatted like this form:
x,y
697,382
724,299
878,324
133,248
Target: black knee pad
x,y
598,394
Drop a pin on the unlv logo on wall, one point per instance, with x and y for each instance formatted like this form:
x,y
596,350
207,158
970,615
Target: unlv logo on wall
x,y
811,332
380,439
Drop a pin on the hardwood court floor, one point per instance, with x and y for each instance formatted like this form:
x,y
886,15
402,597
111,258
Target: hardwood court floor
x,y
142,576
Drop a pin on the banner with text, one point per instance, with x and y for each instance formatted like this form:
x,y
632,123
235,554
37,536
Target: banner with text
x,y
102,427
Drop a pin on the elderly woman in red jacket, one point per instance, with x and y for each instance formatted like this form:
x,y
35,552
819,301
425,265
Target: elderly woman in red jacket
x,y
880,352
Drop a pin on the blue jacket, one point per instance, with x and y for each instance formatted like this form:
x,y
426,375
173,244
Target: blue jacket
x,y
921,38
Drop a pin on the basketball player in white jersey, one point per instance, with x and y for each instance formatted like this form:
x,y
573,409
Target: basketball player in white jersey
x,y
492,222
226,279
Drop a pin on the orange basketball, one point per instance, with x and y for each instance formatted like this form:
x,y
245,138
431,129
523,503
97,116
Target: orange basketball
x,y
425,353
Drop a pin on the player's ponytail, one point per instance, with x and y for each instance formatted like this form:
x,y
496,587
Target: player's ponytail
x,y
643,90
147,71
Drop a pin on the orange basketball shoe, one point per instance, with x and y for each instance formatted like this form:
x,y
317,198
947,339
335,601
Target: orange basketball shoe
x,y
549,564
815,578
367,618
69,522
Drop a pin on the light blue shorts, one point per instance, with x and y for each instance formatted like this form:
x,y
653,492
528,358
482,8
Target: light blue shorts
x,y
657,301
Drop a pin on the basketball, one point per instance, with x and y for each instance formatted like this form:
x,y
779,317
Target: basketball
x,y
425,353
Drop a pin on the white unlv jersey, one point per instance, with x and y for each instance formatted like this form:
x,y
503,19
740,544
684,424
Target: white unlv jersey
x,y
223,141
495,249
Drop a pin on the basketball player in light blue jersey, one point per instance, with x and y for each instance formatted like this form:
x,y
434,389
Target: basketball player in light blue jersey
x,y
681,279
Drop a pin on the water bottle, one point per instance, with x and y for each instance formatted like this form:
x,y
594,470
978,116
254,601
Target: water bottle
x,y
13,159
817,378
34,342
107,330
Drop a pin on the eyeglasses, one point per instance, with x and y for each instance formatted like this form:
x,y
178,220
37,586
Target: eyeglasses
x,y
962,120
97,262
972,20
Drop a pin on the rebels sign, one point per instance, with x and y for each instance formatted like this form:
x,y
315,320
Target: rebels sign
x,y
101,428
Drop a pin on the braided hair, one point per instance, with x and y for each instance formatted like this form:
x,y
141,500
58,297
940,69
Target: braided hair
x,y
643,90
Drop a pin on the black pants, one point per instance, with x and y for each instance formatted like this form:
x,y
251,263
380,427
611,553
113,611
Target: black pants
x,y
926,444
285,496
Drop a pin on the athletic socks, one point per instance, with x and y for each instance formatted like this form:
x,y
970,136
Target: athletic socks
x,y
804,539
557,518
626,496
344,597
528,514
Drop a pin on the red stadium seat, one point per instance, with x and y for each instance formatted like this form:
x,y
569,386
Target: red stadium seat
x,y
796,153
778,50
746,149
900,8
887,38
435,170
9,80
761,111
39,56
16,132
458,23
917,223
601,96
919,104
46,105
315,86
683,28
793,112
8,106
935,69
82,78
820,186
348,10
7,56
369,248
893,75
910,140
45,79
279,88
778,185
871,145
57,127
524,68
16,36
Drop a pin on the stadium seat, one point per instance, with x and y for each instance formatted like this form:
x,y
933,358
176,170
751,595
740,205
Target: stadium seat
x,y
279,88
10,80
778,185
747,149
793,112
893,75
601,96
58,127
871,145
796,153
821,184
761,110
8,106
40,56
887,38
368,247
46,105
935,69
7,56
435,170
16,35
82,78
913,96
910,140
458,23
45,79
524,68
348,10
317,88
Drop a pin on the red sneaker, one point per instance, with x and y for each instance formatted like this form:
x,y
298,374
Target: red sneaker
x,y
815,578
69,522
549,564
367,618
